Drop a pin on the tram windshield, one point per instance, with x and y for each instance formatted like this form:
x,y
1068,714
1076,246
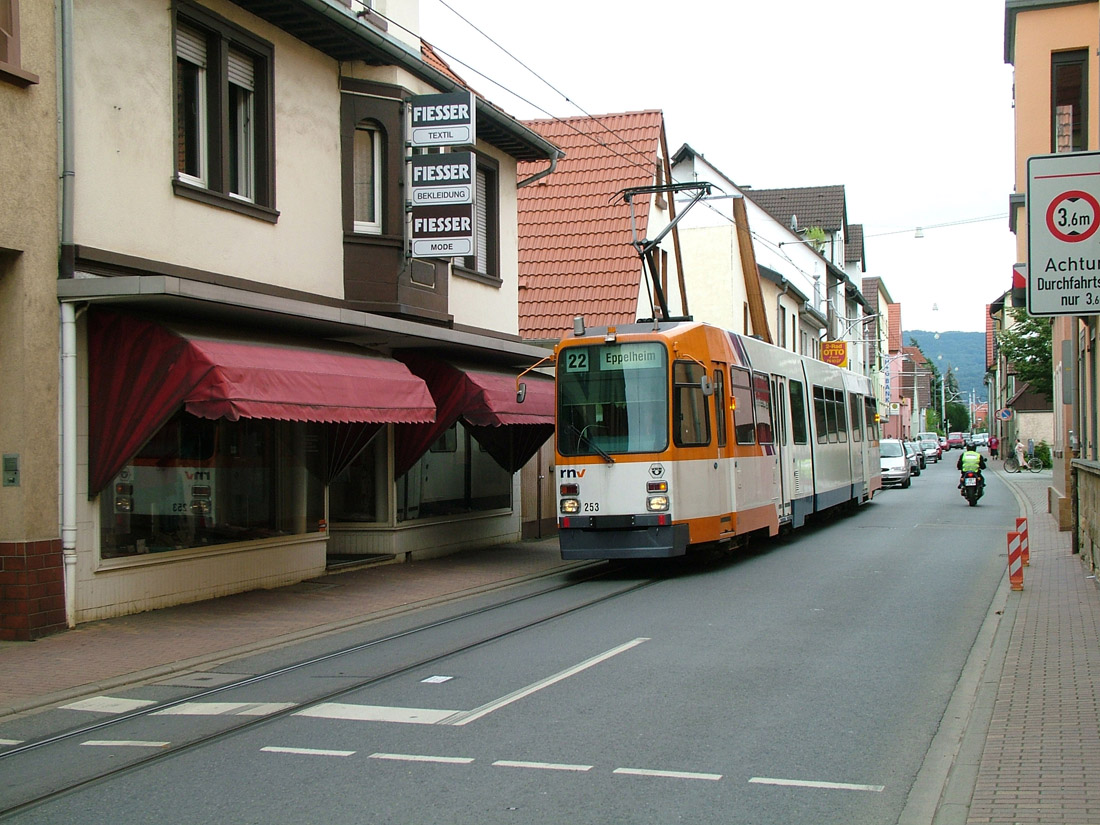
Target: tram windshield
x,y
612,398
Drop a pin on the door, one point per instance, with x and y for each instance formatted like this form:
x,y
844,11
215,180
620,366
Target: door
x,y
782,446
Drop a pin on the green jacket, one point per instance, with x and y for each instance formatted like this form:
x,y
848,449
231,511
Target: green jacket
x,y
971,461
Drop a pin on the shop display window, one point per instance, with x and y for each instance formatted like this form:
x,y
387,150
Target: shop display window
x,y
456,476
199,482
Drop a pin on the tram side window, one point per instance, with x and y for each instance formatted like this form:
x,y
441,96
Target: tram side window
x,y
744,428
798,413
762,399
690,405
872,415
821,414
720,406
841,417
857,416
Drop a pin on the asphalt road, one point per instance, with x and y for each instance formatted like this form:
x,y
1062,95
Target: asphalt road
x,y
800,682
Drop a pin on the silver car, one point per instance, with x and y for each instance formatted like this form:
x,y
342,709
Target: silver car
x,y
896,469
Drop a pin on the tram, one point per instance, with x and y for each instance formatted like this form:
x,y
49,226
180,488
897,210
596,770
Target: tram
x,y
675,435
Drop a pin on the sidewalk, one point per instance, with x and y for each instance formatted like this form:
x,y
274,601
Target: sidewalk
x,y
102,655
1041,757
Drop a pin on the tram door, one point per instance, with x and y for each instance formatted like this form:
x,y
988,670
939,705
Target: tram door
x,y
782,445
857,441
724,465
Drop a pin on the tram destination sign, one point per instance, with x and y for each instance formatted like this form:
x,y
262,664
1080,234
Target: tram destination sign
x,y
1063,234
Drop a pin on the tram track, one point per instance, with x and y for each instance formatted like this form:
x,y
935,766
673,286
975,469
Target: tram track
x,y
244,724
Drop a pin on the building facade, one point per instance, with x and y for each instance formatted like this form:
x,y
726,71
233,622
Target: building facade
x,y
259,378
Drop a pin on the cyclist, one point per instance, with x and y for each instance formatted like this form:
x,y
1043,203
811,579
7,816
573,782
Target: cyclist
x,y
971,461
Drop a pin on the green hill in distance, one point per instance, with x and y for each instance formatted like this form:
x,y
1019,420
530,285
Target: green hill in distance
x,y
965,350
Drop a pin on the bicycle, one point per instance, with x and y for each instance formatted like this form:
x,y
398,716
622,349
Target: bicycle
x,y
1033,465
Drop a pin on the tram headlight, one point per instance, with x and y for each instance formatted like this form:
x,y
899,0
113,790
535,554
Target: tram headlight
x,y
570,506
656,504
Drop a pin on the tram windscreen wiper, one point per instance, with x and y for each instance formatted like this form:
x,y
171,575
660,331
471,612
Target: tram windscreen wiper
x,y
595,447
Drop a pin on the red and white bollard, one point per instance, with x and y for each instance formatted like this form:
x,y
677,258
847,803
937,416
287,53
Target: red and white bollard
x,y
1025,551
1015,562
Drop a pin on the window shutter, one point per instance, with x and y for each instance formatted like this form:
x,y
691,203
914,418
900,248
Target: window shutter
x,y
191,45
241,70
481,223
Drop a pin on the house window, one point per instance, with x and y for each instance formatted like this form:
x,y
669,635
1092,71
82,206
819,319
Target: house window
x,y
1069,87
224,124
484,261
10,68
367,178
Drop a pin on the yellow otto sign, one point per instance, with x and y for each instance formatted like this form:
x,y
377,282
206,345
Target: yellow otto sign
x,y
835,353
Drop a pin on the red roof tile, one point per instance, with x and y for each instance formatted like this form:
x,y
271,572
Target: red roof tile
x,y
575,256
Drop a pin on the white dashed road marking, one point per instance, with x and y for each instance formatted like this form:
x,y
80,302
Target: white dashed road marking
x,y
712,777
109,704
306,751
809,783
414,757
377,713
224,709
123,743
542,766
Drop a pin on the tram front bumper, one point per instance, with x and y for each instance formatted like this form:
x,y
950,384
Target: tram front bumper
x,y
628,537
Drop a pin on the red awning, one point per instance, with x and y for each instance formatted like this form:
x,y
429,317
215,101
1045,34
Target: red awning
x,y
141,372
483,398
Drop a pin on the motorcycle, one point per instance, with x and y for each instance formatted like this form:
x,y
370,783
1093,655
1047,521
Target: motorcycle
x,y
972,487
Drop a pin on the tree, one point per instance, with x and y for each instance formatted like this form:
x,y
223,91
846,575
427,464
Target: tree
x,y
1026,344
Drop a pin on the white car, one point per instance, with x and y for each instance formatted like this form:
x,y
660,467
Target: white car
x,y
896,468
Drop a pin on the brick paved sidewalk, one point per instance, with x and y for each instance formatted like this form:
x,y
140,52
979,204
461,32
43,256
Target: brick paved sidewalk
x,y
1041,760
100,655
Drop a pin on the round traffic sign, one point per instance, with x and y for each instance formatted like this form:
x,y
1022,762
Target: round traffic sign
x,y
1073,216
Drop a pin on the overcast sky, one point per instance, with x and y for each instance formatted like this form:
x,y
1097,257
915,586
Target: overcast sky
x,y
909,106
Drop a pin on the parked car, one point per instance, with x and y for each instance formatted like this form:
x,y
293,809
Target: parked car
x,y
931,449
956,441
894,463
981,439
915,457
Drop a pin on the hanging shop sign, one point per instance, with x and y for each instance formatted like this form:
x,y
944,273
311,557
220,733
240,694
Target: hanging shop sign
x,y
440,179
443,119
443,231
835,353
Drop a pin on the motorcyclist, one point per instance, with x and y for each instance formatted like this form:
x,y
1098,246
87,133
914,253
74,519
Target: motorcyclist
x,y
971,461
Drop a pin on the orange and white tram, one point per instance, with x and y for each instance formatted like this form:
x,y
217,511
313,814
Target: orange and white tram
x,y
677,434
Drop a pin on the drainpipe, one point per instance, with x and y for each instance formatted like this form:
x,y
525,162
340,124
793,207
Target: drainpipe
x,y
68,323
540,175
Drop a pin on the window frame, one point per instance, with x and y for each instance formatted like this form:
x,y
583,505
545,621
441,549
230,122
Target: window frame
x,y
1079,142
237,171
11,55
369,227
688,399
484,265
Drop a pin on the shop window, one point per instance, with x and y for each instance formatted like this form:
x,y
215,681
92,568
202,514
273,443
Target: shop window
x,y
358,493
224,123
453,478
198,483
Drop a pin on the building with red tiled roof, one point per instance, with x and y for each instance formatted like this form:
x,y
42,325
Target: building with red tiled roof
x,y
575,253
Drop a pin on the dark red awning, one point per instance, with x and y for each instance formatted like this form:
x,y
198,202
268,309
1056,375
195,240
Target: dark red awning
x,y
141,372
485,399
